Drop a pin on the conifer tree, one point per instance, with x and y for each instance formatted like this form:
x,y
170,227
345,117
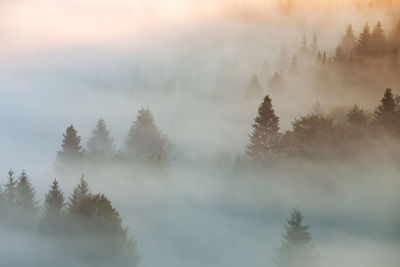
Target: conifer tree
x,y
254,89
100,144
144,140
25,199
363,47
265,135
357,117
71,146
314,44
10,191
80,192
395,38
378,40
349,41
53,209
297,249
387,114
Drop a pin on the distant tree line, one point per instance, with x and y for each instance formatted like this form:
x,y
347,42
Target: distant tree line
x,y
144,143
85,230
319,136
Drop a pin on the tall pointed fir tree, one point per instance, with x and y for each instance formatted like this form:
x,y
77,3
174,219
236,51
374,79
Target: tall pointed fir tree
x,y
52,218
100,145
10,191
314,44
254,89
363,47
71,151
378,40
297,249
387,113
349,42
80,192
144,140
265,135
25,200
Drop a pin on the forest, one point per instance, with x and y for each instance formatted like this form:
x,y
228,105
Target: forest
x,y
200,133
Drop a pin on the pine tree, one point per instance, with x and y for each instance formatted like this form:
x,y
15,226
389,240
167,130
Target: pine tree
x,y
265,135
363,47
254,89
349,41
378,40
71,148
100,144
357,117
144,140
53,209
10,191
314,44
387,114
80,192
297,249
25,199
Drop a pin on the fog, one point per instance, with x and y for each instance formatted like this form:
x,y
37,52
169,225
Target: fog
x,y
189,62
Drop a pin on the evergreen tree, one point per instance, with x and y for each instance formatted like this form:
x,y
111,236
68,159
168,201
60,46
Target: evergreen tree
x,y
144,140
254,89
357,117
100,144
395,38
98,231
276,83
71,146
297,249
314,44
265,135
349,41
53,209
25,198
10,191
80,192
363,47
387,115
378,40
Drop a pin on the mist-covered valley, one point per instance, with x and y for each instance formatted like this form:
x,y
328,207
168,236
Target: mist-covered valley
x,y
200,133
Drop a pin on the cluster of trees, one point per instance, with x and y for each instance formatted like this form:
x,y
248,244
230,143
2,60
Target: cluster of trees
x,y
86,230
318,135
144,142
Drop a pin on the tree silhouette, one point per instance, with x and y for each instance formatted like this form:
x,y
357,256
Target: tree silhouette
x,y
80,192
100,144
387,114
265,135
297,249
357,117
71,149
349,41
144,140
52,217
254,89
10,191
378,40
25,200
363,47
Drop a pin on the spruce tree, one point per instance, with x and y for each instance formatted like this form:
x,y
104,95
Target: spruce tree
x,y
297,249
100,144
254,89
387,114
10,191
378,40
357,117
265,135
71,146
314,44
349,41
363,47
144,140
53,209
80,192
25,200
